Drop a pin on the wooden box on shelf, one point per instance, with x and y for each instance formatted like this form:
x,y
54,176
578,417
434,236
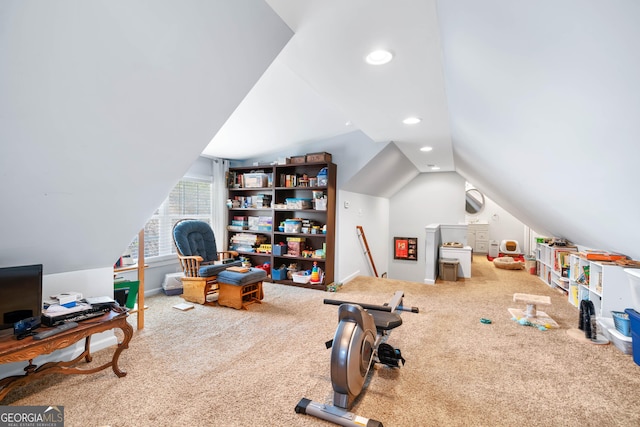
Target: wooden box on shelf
x,y
318,158
296,160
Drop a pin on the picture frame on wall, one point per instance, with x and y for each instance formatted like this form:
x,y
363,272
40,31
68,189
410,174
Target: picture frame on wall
x,y
405,248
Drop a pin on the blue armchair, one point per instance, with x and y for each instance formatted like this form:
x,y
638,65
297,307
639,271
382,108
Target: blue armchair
x,y
205,268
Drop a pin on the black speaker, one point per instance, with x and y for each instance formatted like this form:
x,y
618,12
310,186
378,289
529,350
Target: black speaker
x,y
120,295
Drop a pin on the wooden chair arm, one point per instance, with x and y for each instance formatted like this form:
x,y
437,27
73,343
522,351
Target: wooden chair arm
x,y
190,264
232,253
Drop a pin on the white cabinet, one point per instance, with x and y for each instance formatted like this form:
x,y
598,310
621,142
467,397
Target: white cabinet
x,y
478,237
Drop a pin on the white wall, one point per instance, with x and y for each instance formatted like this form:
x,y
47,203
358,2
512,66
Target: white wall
x,y
372,213
431,198
502,225
104,107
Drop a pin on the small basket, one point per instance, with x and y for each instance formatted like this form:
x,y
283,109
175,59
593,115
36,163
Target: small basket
x,y
622,323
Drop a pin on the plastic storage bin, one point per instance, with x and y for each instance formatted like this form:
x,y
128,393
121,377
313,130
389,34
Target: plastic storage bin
x,y
622,323
634,318
449,269
323,177
320,204
255,180
623,343
301,277
292,226
298,203
172,285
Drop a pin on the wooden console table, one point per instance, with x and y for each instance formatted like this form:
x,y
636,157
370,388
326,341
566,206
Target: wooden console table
x,y
12,350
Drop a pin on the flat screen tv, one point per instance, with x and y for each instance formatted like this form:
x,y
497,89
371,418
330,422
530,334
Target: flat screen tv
x,y
20,294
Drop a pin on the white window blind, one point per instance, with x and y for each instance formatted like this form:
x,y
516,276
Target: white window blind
x,y
191,199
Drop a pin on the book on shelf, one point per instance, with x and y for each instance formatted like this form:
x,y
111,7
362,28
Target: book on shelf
x,y
561,257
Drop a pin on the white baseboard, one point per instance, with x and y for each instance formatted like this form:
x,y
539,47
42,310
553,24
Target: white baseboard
x,y
351,277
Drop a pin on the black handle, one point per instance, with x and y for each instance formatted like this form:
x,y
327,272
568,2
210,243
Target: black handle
x,y
372,306
365,306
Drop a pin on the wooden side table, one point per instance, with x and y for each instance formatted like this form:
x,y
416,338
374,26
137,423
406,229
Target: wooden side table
x,y
12,350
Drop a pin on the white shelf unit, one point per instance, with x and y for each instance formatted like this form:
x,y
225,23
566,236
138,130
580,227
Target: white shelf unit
x,y
578,286
608,287
549,269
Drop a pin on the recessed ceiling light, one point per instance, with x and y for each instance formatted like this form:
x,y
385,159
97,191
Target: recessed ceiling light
x,y
435,168
379,57
426,148
348,123
412,120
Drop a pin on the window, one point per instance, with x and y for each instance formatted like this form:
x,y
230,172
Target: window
x,y
190,198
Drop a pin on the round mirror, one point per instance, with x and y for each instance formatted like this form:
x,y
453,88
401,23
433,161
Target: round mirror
x,y
474,201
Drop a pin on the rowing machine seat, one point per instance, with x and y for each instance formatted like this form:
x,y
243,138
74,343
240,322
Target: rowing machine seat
x,y
385,321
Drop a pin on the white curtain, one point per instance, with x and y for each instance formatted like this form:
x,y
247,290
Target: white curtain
x,y
219,210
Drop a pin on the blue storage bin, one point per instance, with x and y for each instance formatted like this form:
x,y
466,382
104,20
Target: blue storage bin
x,y
634,318
622,323
279,250
279,274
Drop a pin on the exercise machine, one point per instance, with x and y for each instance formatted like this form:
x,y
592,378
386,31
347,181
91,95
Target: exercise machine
x,y
359,343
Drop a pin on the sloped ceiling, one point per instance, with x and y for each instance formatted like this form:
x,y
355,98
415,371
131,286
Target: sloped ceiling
x,y
544,101
535,103
106,104
373,178
104,107
320,85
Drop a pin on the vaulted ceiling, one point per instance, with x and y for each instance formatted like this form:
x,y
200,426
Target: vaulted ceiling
x,y
320,86
535,103
106,104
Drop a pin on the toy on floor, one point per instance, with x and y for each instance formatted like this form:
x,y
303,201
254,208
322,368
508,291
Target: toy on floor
x,y
531,316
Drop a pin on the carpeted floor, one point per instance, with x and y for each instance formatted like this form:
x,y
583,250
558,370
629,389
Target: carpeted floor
x,y
215,366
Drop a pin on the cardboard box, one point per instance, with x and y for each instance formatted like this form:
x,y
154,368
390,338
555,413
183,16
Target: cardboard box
x,y
295,248
318,158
